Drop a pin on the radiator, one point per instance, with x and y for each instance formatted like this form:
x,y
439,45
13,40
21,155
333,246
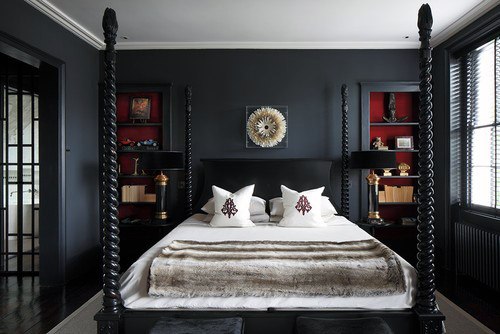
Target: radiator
x,y
478,254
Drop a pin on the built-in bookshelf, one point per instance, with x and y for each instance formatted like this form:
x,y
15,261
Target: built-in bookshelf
x,y
156,129
375,105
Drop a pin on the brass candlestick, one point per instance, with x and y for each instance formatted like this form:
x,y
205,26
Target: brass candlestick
x,y
373,213
161,181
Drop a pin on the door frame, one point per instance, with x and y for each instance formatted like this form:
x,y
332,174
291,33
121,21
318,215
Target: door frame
x,y
53,202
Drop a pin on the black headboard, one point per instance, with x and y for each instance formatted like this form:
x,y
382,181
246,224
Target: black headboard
x,y
267,175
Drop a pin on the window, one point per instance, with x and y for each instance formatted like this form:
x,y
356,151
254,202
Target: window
x,y
475,105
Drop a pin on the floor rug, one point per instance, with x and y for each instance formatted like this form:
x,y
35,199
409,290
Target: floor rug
x,y
82,320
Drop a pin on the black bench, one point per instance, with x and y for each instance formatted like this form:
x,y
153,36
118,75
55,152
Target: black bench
x,y
307,325
198,326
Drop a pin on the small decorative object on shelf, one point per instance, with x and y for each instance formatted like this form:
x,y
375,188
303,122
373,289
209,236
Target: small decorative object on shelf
x,y
403,168
136,163
404,142
147,145
379,145
407,221
392,111
387,171
140,108
130,220
126,143
267,127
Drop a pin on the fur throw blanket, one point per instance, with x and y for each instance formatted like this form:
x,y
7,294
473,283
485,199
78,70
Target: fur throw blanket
x,y
275,269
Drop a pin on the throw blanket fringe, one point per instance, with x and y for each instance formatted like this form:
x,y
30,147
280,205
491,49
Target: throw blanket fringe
x,y
276,269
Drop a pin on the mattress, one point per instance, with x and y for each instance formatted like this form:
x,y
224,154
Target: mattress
x,y
134,282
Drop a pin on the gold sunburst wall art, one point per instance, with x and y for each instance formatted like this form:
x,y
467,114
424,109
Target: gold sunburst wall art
x,y
267,126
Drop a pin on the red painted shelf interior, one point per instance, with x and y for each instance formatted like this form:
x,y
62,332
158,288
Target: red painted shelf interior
x,y
406,105
136,133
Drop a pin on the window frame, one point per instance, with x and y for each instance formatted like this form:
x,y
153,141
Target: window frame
x,y
466,130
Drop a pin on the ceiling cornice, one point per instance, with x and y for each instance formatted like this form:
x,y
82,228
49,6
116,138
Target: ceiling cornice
x,y
67,22
464,21
265,45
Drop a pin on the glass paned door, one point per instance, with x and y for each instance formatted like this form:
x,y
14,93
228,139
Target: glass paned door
x,y
19,172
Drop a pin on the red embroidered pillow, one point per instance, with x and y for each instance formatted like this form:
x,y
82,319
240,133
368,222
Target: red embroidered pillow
x,y
232,209
302,209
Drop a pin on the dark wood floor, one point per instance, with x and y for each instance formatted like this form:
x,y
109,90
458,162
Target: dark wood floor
x,y
473,297
25,307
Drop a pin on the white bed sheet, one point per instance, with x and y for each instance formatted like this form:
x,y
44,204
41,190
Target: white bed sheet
x,y
134,282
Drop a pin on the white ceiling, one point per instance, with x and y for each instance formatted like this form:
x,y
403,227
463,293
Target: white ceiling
x,y
333,24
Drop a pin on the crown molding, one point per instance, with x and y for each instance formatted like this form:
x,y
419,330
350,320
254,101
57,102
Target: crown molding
x,y
67,22
264,45
464,21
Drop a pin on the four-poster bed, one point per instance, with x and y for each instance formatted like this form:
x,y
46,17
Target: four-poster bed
x,y
424,317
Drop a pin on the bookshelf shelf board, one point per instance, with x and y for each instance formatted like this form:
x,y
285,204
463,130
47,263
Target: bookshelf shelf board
x,y
414,151
135,176
138,124
399,177
137,203
394,124
397,203
387,224
137,151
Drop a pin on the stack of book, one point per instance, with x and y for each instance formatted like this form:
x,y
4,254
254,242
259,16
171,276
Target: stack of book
x,y
396,194
136,193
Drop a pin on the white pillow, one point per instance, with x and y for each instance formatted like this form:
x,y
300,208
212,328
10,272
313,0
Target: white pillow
x,y
232,210
302,209
257,206
277,209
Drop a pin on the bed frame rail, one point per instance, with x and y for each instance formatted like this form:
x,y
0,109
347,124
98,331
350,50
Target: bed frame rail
x,y
423,318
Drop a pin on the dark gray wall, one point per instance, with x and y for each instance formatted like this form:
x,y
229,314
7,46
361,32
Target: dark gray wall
x,y
25,23
307,81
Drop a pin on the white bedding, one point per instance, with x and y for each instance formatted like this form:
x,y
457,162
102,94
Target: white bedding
x,y
134,282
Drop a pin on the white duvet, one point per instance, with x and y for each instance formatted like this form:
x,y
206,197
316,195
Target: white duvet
x,y
134,282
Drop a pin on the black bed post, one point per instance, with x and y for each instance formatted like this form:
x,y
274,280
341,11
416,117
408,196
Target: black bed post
x,y
108,318
431,320
188,155
345,155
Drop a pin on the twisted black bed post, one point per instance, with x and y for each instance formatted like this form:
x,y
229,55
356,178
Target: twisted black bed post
x,y
188,155
429,316
108,319
345,155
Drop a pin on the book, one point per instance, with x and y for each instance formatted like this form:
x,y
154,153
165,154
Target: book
x,y
133,193
381,196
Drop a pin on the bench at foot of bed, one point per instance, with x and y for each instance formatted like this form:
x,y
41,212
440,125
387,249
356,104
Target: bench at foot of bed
x,y
307,325
198,326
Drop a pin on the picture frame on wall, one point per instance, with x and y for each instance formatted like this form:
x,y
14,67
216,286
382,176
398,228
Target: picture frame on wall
x,y
140,108
404,142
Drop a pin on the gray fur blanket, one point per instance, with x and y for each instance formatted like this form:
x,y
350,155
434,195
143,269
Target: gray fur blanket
x,y
275,269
